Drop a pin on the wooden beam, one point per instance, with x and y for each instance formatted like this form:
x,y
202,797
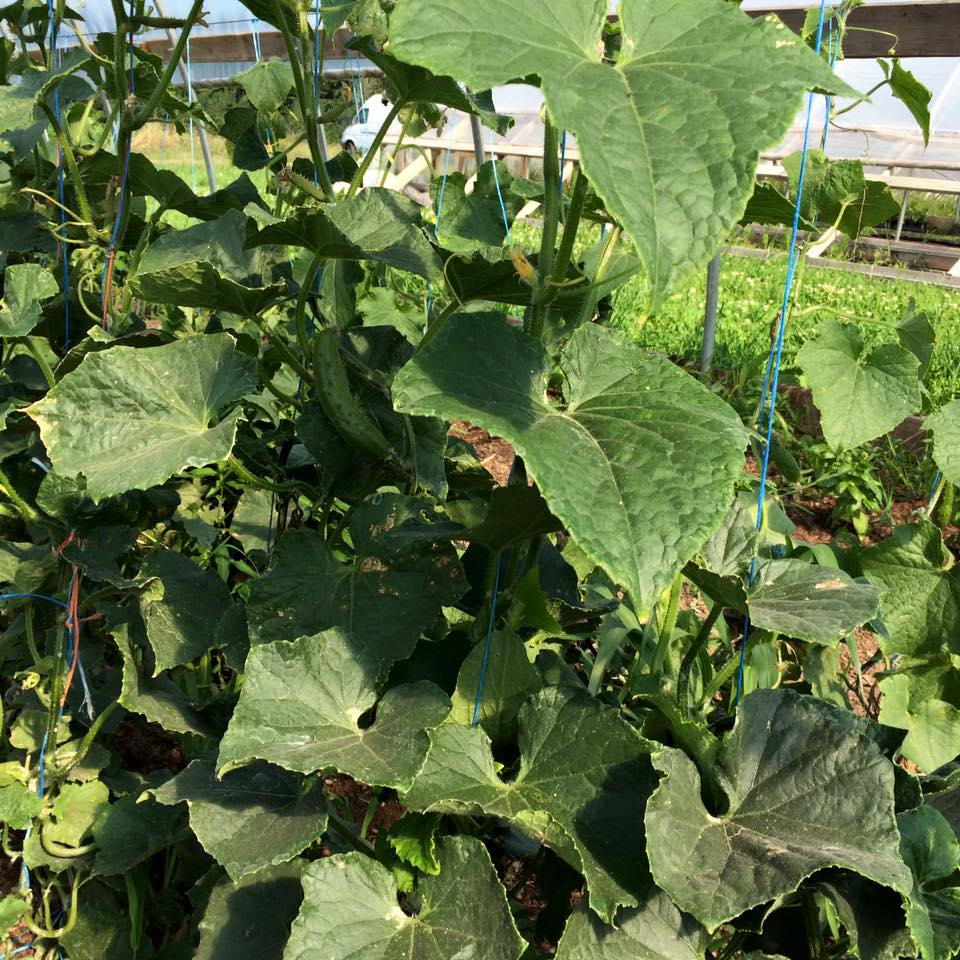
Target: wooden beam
x,y
234,47
929,28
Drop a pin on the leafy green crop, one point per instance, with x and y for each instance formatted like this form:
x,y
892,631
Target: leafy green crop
x,y
288,675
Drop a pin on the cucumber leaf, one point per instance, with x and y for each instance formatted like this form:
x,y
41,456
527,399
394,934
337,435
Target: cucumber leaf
x,y
350,906
656,450
807,789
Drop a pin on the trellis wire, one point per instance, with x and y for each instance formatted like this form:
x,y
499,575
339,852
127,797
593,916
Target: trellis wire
x,y
771,380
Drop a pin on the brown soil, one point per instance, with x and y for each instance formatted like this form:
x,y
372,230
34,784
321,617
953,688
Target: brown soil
x,y
496,455
869,705
358,797
146,747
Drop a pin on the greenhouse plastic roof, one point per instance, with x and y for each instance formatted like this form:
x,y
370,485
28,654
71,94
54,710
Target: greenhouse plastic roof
x,y
882,129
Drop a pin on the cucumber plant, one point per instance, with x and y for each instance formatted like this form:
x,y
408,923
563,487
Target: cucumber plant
x,y
287,674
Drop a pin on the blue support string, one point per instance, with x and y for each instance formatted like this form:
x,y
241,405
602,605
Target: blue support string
x,y
563,157
496,182
768,398
13,953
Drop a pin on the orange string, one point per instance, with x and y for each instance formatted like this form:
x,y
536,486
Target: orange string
x,y
73,625
106,289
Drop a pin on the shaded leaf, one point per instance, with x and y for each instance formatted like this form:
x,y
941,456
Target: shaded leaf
x,y
583,777
378,224
385,598
807,789
252,818
656,930
236,925
129,831
182,609
206,265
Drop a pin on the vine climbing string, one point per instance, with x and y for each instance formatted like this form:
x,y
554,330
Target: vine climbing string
x,y
771,379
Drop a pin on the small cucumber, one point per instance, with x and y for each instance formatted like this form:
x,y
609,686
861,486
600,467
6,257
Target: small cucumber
x,y
339,403
785,462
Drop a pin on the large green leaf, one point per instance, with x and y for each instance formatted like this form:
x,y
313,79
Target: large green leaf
x,y
921,591
184,609
379,225
267,84
657,930
945,426
414,85
153,412
350,911
159,699
250,920
807,789
836,191
930,849
25,287
810,602
582,781
474,222
923,698
249,819
656,450
206,265
18,805
302,704
102,929
385,598
910,92
684,72
860,394
130,830
510,678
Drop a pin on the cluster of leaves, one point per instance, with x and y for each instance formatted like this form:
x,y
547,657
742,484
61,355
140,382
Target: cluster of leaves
x,y
321,678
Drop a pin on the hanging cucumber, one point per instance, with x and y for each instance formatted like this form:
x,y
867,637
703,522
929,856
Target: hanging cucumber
x,y
785,462
339,403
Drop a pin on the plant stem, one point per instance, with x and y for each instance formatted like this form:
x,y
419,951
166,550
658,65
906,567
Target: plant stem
x,y
570,227
548,240
357,181
146,112
665,631
437,324
24,508
306,104
41,361
404,130
282,349
343,829
85,211
306,288
91,735
720,678
811,920
857,103
699,643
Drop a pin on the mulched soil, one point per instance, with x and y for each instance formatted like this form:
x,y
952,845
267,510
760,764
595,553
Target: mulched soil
x,y
146,747
358,797
495,455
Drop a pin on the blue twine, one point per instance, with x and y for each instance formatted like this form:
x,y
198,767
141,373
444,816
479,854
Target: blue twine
x,y
563,156
776,354
13,953
834,48
496,181
32,596
934,486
